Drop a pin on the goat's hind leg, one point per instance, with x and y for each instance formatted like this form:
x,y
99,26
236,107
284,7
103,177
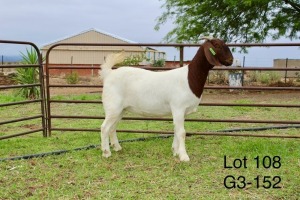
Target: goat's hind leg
x,y
107,128
113,137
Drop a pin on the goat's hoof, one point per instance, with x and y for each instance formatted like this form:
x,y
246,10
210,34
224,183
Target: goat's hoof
x,y
184,158
106,153
117,147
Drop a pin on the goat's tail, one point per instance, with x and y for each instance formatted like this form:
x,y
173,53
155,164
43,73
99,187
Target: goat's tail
x,y
111,60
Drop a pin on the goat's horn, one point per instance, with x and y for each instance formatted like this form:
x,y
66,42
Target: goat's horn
x,y
206,38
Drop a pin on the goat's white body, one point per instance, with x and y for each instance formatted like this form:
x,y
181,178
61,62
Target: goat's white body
x,y
149,93
146,93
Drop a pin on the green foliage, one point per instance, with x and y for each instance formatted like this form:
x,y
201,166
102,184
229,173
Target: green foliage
x,y
234,21
274,77
268,77
297,76
123,175
28,75
159,63
254,76
72,78
5,98
264,77
144,170
133,60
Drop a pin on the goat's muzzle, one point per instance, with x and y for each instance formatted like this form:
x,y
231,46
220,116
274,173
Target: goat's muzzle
x,y
228,61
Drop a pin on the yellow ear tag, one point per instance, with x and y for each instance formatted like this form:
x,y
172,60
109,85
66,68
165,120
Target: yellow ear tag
x,y
212,51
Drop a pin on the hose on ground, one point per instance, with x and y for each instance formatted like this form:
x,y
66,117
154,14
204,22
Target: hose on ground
x,y
58,152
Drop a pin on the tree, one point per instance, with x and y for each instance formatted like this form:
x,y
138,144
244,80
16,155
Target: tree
x,y
234,21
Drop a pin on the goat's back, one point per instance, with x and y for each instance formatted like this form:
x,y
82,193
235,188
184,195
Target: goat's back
x,y
147,92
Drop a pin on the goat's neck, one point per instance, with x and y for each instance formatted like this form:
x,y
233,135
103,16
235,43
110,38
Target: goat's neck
x,y
197,72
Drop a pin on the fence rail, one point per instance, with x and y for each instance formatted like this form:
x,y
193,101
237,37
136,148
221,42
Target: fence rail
x,y
46,104
50,102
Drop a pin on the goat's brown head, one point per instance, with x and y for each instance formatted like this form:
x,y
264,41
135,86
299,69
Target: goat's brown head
x,y
217,52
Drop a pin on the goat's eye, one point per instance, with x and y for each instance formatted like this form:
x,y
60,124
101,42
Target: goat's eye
x,y
217,46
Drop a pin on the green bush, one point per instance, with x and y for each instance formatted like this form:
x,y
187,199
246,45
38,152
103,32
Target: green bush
x,y
133,60
29,75
72,78
297,77
264,77
254,76
159,63
269,77
274,76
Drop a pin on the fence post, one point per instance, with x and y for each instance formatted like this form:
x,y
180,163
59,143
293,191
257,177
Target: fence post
x,y
286,65
42,94
2,61
243,72
181,56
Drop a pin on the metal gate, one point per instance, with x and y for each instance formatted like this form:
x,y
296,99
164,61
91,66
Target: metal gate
x,y
39,102
46,115
181,47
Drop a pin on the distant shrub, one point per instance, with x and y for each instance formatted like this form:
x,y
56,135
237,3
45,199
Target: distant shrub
x,y
159,63
264,78
297,77
274,76
72,78
218,77
269,77
254,76
133,60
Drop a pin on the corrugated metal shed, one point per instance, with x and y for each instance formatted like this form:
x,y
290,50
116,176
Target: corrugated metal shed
x,y
92,55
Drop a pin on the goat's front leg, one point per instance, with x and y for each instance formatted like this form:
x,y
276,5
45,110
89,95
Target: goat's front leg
x,y
175,146
179,137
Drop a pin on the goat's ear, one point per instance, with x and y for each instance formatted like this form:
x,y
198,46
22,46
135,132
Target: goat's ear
x,y
210,54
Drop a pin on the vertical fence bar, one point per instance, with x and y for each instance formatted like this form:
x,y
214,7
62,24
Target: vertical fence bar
x,y
42,88
286,65
243,72
43,96
181,55
48,94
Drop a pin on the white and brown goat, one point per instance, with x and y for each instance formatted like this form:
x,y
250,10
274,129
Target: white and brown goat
x,y
176,92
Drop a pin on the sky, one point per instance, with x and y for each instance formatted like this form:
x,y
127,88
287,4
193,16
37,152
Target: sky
x,y
41,22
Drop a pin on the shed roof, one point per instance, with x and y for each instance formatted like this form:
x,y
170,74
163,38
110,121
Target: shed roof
x,y
100,32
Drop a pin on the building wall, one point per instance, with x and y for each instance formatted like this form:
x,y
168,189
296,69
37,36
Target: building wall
x,y
92,55
87,54
290,63
61,56
81,72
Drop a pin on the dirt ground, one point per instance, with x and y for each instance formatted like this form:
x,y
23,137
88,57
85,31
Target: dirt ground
x,y
255,96
216,96
78,90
